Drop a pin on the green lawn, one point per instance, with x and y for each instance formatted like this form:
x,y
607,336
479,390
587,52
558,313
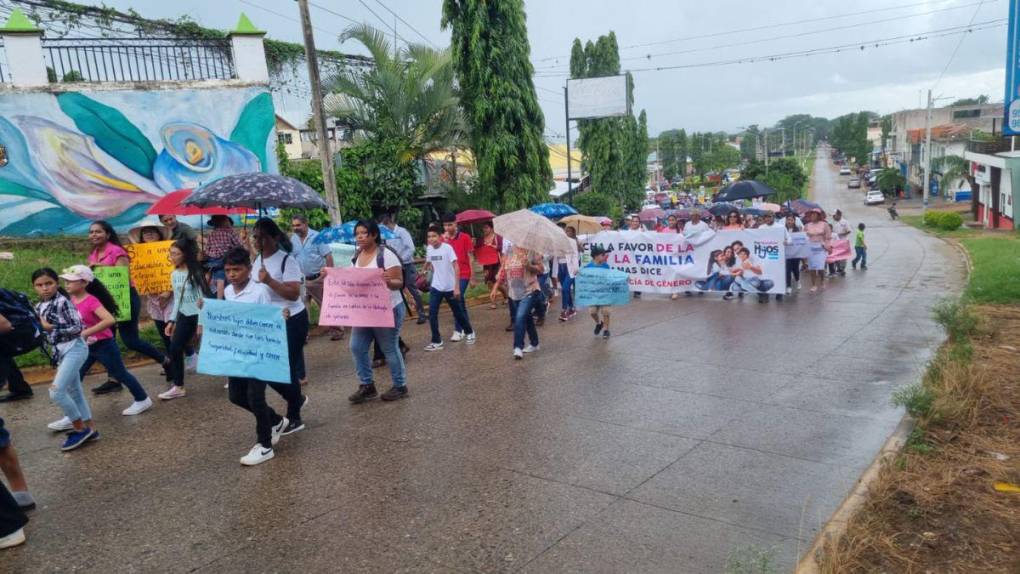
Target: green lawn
x,y
996,261
961,233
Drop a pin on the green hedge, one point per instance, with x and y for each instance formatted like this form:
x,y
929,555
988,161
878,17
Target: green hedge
x,y
944,220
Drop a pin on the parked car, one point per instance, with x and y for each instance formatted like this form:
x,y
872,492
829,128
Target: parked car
x,y
854,183
844,170
874,197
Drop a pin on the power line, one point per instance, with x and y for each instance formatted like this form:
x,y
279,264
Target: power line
x,y
798,34
731,31
958,44
827,50
406,23
284,16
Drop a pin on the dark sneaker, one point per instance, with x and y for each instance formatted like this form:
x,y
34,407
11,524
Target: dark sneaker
x,y
109,386
292,427
421,320
394,394
76,439
727,296
95,436
11,397
598,328
605,334
540,322
363,394
509,328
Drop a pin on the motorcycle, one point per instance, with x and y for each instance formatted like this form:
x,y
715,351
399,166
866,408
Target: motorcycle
x,y
892,212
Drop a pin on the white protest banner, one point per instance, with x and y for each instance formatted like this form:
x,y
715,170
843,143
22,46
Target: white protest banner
x,y
750,260
798,247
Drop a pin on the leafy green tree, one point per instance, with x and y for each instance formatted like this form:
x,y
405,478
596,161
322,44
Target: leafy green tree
x,y
749,143
982,99
785,175
890,180
593,203
886,130
850,136
491,56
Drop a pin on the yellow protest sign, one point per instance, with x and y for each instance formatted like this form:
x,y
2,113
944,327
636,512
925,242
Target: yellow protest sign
x,y
151,267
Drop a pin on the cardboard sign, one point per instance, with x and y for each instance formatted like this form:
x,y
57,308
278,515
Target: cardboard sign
x,y
599,286
343,254
798,247
244,340
355,297
117,281
151,267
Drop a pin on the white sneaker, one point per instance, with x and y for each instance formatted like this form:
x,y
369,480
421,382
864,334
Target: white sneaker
x,y
457,336
13,539
530,348
257,455
191,363
789,290
174,392
226,386
138,407
518,353
61,425
278,431
470,339
434,346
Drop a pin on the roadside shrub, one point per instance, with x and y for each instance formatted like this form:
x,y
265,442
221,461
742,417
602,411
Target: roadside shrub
x,y
957,319
950,221
917,399
932,218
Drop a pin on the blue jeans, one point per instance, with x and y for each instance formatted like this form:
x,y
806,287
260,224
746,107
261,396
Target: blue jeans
x,y
524,321
128,331
862,256
436,298
67,391
566,286
108,355
457,324
361,349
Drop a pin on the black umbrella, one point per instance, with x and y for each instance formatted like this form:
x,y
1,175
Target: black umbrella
x,y
256,191
722,209
745,189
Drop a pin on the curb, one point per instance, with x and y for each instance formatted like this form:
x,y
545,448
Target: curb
x,y
836,527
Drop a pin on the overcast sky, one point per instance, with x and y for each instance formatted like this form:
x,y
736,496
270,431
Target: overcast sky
x,y
714,97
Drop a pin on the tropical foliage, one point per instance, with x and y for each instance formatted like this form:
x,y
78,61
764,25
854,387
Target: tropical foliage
x,y
784,175
890,180
491,57
850,136
672,147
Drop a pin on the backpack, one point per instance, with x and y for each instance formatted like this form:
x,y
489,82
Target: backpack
x,y
27,333
378,258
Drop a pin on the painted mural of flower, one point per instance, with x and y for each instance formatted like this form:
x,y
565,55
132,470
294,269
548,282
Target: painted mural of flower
x,y
193,155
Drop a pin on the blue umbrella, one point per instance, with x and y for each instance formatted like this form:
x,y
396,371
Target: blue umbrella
x,y
345,234
553,210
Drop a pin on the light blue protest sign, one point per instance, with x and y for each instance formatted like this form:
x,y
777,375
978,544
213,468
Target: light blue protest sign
x,y
244,340
599,286
343,254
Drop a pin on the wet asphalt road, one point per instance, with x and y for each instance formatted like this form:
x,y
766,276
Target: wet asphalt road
x,y
702,429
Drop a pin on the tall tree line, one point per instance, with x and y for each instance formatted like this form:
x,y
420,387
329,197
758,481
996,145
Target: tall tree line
x,y
850,135
614,150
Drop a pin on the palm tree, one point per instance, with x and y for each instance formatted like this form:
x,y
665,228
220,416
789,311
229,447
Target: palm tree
x,y
408,96
952,168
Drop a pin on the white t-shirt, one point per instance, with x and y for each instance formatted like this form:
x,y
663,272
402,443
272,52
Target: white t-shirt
x,y
288,272
841,228
253,292
442,259
390,260
692,229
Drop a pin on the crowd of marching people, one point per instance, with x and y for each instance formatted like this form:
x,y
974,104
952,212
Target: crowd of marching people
x,y
80,320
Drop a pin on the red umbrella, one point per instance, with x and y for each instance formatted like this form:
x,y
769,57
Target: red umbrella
x,y
475,216
171,204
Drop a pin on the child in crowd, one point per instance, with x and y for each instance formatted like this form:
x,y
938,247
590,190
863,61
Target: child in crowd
x,y
600,313
159,306
247,393
860,248
441,259
97,309
63,326
189,286
217,243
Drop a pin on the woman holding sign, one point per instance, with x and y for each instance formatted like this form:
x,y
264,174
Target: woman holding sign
x,y
819,237
372,254
108,251
281,273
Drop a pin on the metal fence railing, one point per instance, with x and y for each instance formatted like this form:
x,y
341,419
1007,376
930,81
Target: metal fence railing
x,y
137,59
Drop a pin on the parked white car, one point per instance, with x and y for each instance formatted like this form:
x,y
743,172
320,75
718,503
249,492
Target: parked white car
x,y
845,170
874,197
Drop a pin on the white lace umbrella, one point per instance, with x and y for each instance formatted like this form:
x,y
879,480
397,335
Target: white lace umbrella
x,y
533,232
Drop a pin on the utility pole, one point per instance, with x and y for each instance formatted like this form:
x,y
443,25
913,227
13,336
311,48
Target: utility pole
x,y
784,141
927,156
570,174
766,152
325,151
658,166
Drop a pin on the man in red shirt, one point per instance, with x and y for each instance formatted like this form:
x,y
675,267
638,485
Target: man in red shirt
x,y
462,245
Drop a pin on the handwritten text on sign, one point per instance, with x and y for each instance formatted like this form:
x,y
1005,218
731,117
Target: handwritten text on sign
x,y
598,286
244,340
354,297
151,267
118,283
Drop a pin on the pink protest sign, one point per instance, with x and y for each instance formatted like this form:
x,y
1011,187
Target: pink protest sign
x,y
354,297
840,251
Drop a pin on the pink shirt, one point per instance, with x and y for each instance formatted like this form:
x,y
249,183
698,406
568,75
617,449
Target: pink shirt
x,y
111,253
87,309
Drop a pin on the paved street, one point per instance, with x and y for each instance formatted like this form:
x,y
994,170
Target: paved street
x,y
704,427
